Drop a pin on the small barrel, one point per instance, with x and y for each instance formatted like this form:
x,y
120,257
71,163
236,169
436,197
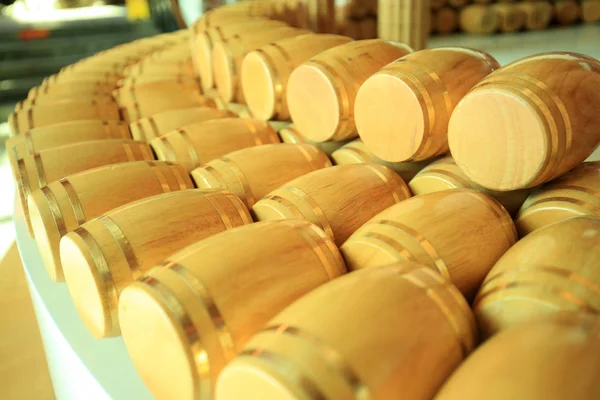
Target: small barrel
x,y
156,125
204,315
511,17
204,41
337,199
79,87
172,100
444,174
148,90
97,98
266,70
544,130
290,134
405,21
34,171
321,92
194,145
445,20
253,172
64,205
566,12
459,233
227,59
105,254
576,193
590,11
537,14
55,113
552,269
479,18
356,152
354,338
553,358
408,121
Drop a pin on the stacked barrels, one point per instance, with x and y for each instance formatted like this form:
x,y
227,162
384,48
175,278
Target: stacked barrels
x,y
295,214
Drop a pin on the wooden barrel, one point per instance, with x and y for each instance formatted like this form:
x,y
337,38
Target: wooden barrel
x,y
576,193
321,15
104,255
283,260
290,134
553,358
337,199
444,174
34,171
445,21
406,21
479,18
590,11
172,100
196,144
109,78
460,233
156,125
552,269
265,72
227,59
566,12
511,17
408,121
38,139
354,338
537,14
148,90
97,98
356,152
152,77
545,128
80,87
321,92
202,50
253,172
64,205
55,113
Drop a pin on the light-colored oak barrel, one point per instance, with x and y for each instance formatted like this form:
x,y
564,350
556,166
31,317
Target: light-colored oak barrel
x,y
34,171
405,21
590,11
402,111
459,233
38,139
196,144
227,57
83,86
156,125
152,77
547,126
383,333
576,193
253,172
537,14
445,20
553,358
104,255
321,92
64,205
97,98
266,70
172,100
511,17
356,152
148,90
337,199
479,18
206,301
290,134
103,77
202,50
55,113
321,15
444,174
566,12
555,268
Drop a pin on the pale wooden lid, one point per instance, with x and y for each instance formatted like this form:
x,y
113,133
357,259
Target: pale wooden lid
x,y
498,139
204,179
258,83
46,233
314,102
390,117
156,342
223,72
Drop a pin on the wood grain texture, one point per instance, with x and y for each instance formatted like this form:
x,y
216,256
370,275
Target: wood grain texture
x,y
321,15
576,193
322,91
95,97
459,233
554,268
63,206
147,90
337,199
104,255
171,100
290,134
405,21
206,301
549,359
546,128
353,339
79,87
196,144
402,111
